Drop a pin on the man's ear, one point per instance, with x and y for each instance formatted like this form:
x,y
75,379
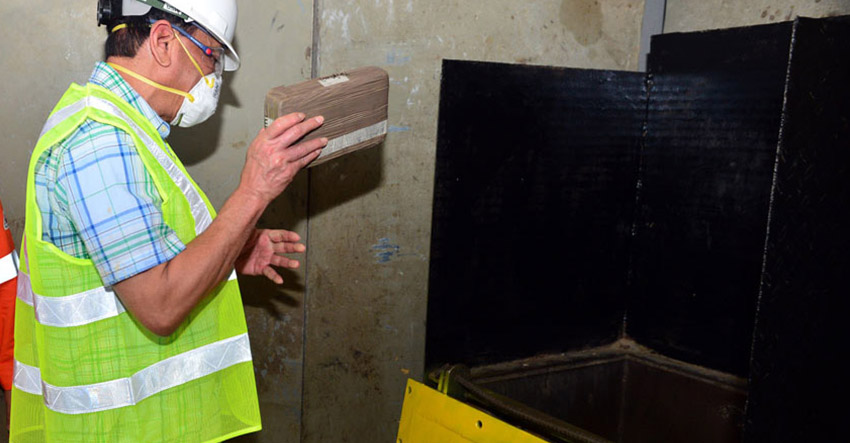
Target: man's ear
x,y
161,42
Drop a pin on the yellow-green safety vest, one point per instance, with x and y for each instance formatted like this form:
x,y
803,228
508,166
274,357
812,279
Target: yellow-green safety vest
x,y
87,370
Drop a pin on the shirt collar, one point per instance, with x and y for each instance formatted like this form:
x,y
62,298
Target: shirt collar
x,y
110,79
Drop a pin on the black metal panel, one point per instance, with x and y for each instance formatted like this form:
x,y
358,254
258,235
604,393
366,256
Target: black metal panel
x,y
629,396
533,202
588,395
664,405
747,49
798,365
715,103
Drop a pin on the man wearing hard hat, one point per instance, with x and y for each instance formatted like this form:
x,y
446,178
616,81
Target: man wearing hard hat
x,y
129,324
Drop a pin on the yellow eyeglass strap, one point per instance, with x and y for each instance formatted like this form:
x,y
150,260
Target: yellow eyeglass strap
x,y
119,27
210,83
151,82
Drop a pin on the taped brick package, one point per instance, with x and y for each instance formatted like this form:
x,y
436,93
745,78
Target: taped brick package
x,y
353,103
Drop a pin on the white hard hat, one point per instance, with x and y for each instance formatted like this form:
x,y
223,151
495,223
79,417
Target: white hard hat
x,y
218,17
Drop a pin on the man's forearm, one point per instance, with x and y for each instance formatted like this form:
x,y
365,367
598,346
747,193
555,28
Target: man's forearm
x,y
161,297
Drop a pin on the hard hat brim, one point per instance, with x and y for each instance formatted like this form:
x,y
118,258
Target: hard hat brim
x,y
231,58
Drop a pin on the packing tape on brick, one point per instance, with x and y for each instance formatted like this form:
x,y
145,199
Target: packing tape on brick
x,y
334,80
354,137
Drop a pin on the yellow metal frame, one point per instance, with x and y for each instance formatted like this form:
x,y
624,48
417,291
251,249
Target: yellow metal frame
x,y
429,416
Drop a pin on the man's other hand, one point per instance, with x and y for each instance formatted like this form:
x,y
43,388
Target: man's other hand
x,y
262,252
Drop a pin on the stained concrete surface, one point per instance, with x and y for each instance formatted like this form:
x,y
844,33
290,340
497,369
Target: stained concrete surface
x,y
370,212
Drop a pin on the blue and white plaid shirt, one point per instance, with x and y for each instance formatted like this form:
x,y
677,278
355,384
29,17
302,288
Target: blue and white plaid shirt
x,y
97,200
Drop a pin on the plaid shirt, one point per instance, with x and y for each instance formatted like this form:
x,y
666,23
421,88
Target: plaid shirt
x,y
96,199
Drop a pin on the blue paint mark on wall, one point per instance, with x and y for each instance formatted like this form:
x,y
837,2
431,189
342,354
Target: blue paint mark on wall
x,y
385,250
398,129
394,58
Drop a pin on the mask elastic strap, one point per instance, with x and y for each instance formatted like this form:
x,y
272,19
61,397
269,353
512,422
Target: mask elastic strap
x,y
151,82
209,82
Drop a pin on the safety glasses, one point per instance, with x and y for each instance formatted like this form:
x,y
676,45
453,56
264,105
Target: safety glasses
x,y
216,54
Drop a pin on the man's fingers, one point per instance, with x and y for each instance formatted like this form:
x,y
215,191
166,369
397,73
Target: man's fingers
x,y
280,235
308,158
272,275
281,124
302,154
304,149
291,135
288,247
285,262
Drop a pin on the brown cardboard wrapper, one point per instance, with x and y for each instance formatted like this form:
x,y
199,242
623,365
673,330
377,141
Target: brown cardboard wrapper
x,y
353,103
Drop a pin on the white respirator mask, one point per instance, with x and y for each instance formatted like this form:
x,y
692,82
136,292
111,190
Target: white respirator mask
x,y
202,100
205,94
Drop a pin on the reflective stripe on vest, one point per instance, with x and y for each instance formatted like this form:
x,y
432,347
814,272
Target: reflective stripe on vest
x,y
76,309
8,267
173,371
202,215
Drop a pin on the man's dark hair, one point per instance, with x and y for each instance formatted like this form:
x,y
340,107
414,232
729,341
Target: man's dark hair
x,y
127,41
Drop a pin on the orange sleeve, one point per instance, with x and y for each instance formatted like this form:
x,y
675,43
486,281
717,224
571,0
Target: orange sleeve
x,y
8,291
7,332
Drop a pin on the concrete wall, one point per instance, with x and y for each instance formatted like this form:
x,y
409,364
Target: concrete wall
x,y
698,15
370,213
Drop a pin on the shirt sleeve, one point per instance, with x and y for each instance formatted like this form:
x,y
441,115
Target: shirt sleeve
x,y
114,205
